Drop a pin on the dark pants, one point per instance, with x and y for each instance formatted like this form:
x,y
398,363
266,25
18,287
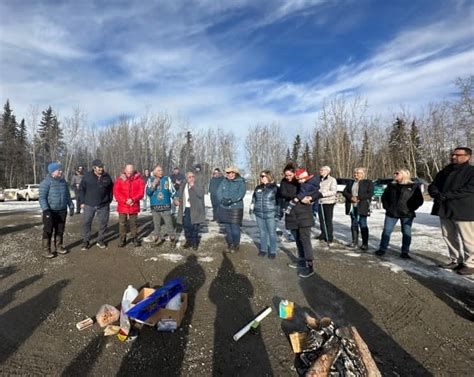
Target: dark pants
x,y
325,213
232,234
132,221
191,231
54,221
358,220
78,202
103,216
303,244
215,206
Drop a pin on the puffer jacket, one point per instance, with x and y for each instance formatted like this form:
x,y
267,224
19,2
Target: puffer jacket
x,y
265,201
162,194
129,188
402,200
54,194
230,195
301,216
328,188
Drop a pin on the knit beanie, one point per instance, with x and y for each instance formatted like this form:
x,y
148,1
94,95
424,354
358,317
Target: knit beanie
x,y
301,174
53,166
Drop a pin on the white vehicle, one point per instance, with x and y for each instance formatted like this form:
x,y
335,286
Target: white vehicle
x,y
29,192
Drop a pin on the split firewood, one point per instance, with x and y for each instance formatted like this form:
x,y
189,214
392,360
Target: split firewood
x,y
367,359
322,365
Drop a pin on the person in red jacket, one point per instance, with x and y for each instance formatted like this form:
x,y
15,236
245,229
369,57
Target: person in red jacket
x,y
128,191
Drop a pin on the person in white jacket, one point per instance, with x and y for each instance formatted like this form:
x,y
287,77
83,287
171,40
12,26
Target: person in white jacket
x,y
328,188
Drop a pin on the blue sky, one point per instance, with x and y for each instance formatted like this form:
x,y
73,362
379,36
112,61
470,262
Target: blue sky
x,y
231,64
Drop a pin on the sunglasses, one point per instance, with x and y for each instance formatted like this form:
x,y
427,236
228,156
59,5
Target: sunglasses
x,y
396,173
458,154
262,175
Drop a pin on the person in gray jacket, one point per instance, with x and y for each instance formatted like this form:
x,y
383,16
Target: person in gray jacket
x,y
75,184
328,188
54,199
191,211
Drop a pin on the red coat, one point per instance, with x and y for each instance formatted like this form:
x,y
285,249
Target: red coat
x,y
129,188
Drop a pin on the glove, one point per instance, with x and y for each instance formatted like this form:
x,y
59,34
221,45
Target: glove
x,y
71,211
47,213
226,202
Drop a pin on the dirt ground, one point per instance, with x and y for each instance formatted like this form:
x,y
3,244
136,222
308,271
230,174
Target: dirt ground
x,y
414,325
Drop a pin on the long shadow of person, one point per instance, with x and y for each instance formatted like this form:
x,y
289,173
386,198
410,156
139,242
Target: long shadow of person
x,y
231,293
83,363
325,299
8,295
156,353
17,228
460,299
26,317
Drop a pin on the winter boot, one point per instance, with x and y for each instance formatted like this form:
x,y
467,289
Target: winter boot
x,y
59,245
47,253
355,237
308,270
365,238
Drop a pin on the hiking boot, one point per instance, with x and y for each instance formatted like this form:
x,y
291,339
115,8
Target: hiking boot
x,y
46,245
451,266
380,252
85,246
261,254
465,270
364,247
58,244
101,244
405,256
272,256
61,250
307,272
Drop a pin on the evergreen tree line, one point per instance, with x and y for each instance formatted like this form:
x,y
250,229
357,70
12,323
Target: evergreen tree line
x,y
343,137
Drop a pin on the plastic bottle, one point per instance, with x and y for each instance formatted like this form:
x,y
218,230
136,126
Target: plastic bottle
x,y
286,309
128,296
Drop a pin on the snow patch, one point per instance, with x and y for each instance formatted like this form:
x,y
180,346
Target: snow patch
x,y
205,259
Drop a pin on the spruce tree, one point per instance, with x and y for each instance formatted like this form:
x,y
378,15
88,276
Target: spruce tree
x,y
288,156
306,158
295,153
317,151
22,159
186,156
365,153
8,136
399,144
50,137
415,147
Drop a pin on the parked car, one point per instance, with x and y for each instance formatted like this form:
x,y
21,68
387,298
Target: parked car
x,y
381,184
29,192
341,185
2,195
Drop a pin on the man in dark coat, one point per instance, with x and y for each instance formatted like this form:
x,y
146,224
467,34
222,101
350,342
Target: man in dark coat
x,y
95,194
214,183
453,194
191,212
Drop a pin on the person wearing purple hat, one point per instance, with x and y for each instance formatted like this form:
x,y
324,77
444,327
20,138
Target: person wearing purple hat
x,y
54,199
95,196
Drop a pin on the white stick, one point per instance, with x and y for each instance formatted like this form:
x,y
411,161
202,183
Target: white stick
x,y
247,327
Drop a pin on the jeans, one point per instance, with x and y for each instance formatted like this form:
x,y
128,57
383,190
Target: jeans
x,y
388,229
268,236
191,231
103,216
232,234
303,243
325,221
358,220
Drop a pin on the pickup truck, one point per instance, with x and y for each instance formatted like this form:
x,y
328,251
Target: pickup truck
x,y
29,192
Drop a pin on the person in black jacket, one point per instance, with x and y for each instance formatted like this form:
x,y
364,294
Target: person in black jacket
x,y
95,193
266,209
214,183
358,194
453,194
299,221
400,200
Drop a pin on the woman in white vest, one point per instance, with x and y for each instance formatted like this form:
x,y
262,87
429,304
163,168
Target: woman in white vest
x,y
328,188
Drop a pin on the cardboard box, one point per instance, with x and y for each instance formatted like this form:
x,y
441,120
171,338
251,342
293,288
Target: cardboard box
x,y
163,313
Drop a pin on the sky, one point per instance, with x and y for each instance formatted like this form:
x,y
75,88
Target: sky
x,y
231,64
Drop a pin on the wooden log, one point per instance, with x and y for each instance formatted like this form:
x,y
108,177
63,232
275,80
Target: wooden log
x,y
366,356
322,365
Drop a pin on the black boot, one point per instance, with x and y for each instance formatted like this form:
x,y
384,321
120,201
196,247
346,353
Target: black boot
x,y
355,237
47,253
59,244
365,238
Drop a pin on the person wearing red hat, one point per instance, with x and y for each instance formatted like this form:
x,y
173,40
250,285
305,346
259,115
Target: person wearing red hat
x,y
309,186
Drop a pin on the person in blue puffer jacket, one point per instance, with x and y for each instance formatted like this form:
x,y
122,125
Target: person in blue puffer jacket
x,y
230,195
265,206
54,199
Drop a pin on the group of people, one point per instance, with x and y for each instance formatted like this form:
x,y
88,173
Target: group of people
x,y
294,199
